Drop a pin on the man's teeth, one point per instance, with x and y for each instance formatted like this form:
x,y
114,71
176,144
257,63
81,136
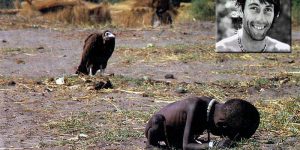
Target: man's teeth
x,y
259,27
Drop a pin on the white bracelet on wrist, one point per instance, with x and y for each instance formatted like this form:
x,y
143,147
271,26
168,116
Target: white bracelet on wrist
x,y
211,144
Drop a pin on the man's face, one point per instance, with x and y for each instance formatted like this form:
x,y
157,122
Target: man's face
x,y
257,18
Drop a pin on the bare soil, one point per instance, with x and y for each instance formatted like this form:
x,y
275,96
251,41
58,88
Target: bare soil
x,y
35,111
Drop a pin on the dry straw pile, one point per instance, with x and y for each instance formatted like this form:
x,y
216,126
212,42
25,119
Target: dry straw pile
x,y
72,11
137,13
127,13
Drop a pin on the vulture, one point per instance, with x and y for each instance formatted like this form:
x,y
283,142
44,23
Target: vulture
x,y
97,49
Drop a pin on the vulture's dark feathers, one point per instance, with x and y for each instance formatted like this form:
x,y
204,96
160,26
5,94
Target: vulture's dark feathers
x,y
97,49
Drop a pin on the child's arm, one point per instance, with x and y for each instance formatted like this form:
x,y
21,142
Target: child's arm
x,y
188,135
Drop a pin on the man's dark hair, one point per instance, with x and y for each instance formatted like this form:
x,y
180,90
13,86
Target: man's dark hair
x,y
276,4
241,119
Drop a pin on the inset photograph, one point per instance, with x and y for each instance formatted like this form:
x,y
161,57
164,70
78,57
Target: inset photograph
x,y
253,26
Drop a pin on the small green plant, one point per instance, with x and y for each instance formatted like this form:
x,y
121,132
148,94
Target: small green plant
x,y
296,11
248,143
203,9
110,1
73,125
120,80
17,50
280,116
121,134
261,82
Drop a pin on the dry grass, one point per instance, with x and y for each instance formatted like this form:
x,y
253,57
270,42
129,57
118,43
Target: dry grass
x,y
184,53
135,13
203,53
71,11
119,124
279,117
128,13
139,17
144,3
132,13
184,13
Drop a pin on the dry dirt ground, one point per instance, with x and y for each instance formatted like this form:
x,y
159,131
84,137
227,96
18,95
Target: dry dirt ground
x,y
38,113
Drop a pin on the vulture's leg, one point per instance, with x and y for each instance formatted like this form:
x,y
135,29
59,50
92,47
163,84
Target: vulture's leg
x,y
90,72
102,70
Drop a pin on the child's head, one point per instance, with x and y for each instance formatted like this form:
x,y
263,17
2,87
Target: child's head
x,y
241,119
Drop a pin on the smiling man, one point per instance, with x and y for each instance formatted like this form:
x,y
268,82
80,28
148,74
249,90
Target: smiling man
x,y
258,18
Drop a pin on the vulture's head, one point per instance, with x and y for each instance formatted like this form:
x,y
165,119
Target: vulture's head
x,y
108,36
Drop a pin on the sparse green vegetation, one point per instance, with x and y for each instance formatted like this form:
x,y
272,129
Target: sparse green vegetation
x,y
110,1
280,116
296,12
75,115
73,125
106,127
203,9
121,134
261,83
114,1
9,50
251,144
122,81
